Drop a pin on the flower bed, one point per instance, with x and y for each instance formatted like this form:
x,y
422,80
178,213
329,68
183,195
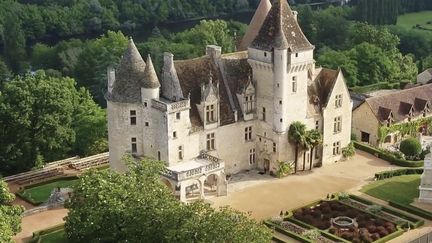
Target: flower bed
x,y
370,227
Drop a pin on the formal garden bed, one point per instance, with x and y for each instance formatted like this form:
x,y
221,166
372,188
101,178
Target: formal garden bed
x,y
38,194
343,218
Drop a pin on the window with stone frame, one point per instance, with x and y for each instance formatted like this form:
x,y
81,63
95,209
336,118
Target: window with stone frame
x,y
274,147
178,115
294,84
211,142
252,156
337,148
180,152
338,124
264,114
134,146
316,125
133,117
211,113
249,103
248,133
338,101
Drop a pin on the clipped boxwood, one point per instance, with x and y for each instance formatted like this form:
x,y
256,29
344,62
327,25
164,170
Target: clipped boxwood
x,y
414,222
411,147
38,234
323,232
411,209
286,232
387,156
391,236
399,172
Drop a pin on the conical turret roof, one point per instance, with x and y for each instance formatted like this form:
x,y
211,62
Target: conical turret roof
x,y
129,73
281,30
150,79
255,24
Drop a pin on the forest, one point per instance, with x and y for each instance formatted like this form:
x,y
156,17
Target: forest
x,y
52,92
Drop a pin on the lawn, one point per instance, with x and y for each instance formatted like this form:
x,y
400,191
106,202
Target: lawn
x,y
401,189
412,19
40,194
54,237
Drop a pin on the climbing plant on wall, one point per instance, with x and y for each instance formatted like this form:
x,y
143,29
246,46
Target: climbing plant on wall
x,y
407,128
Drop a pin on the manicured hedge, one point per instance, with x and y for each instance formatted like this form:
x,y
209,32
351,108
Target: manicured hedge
x,y
411,209
389,237
387,156
277,240
38,234
323,233
414,222
391,173
287,233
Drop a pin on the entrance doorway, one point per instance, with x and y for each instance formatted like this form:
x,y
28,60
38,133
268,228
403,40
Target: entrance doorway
x,y
266,166
365,137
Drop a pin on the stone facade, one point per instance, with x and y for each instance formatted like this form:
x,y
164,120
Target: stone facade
x,y
221,114
426,181
393,108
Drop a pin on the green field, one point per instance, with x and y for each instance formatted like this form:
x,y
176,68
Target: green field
x,y
40,194
401,189
412,19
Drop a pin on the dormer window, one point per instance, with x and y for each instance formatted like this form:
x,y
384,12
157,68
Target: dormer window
x,y
211,113
249,103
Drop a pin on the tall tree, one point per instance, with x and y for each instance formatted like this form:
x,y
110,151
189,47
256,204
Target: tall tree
x,y
14,43
297,135
313,139
40,119
141,209
10,223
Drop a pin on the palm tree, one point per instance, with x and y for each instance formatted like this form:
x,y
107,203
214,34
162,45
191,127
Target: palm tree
x,y
296,134
313,139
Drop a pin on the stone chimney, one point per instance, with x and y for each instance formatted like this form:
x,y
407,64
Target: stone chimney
x,y
213,51
295,13
111,78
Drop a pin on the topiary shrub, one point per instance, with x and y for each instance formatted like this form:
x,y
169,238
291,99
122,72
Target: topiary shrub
x,y
411,147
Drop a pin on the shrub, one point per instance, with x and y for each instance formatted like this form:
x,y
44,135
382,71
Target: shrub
x,y
411,147
348,151
374,209
312,234
385,155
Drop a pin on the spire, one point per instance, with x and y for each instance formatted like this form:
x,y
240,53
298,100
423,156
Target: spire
x,y
130,71
150,79
281,30
255,24
171,88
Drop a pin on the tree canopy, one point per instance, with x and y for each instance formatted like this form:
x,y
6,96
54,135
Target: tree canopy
x,y
45,118
136,207
10,223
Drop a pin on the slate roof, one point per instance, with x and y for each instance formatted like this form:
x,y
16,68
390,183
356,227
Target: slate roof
x,y
129,77
255,24
235,68
400,103
425,77
320,89
150,79
281,30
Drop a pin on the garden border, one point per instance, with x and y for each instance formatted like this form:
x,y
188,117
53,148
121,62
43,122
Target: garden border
x,y
387,156
37,235
21,195
398,172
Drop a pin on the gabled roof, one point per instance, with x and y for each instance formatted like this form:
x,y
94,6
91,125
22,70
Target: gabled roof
x,y
281,30
255,24
320,89
402,102
425,77
130,72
